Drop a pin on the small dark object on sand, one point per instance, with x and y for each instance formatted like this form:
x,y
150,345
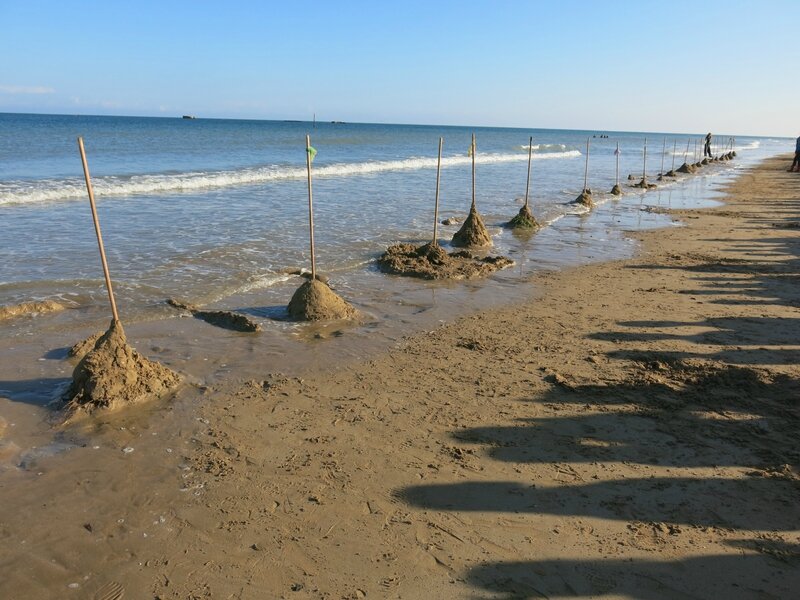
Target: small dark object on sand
x,y
616,190
524,220
220,318
451,221
315,301
431,261
112,374
473,233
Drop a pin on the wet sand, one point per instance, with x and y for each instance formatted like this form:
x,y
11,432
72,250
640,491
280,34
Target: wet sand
x,y
629,432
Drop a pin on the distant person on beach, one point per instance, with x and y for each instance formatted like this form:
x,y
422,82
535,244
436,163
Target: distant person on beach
x,y
707,150
796,162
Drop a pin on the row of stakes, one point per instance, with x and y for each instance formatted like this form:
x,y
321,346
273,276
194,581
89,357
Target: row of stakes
x,y
110,373
721,153
473,232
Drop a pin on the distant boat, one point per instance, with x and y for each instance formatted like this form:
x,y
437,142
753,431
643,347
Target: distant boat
x,y
189,117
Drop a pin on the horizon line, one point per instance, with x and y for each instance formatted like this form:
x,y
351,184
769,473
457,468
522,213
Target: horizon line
x,y
331,122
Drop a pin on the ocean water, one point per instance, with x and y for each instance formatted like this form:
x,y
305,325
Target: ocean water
x,y
214,212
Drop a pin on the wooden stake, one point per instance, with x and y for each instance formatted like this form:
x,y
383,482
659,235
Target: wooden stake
x,y
644,161
528,182
97,230
674,149
617,155
685,154
663,153
436,205
694,155
473,170
586,168
310,209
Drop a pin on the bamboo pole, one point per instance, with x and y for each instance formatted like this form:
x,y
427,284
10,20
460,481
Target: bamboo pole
x,y
694,154
473,171
436,205
586,168
528,182
310,210
674,149
663,154
617,155
686,152
89,189
644,161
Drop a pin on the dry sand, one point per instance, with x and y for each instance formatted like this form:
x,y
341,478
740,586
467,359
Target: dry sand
x,y
630,433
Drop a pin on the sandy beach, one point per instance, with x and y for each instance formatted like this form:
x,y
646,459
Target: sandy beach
x,y
630,432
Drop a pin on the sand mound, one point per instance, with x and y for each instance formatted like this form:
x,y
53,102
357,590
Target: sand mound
x,y
27,308
83,347
524,220
584,198
686,168
645,185
697,165
616,190
705,161
473,232
112,374
670,173
431,261
220,318
315,301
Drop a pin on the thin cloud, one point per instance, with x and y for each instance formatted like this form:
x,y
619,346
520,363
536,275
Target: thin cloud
x,y
26,89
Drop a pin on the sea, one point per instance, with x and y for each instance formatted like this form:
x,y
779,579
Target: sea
x,y
214,212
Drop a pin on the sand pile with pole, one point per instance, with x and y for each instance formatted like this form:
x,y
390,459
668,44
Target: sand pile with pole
x,y
112,374
315,301
643,184
584,198
473,233
686,168
524,220
431,261
616,190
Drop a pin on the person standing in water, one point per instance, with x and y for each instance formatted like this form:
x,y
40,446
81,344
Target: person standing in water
x,y
796,161
707,150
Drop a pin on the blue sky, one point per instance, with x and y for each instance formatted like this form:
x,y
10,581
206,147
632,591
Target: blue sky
x,y
658,66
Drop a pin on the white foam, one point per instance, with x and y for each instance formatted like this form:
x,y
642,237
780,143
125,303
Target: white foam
x,y
545,147
52,190
751,146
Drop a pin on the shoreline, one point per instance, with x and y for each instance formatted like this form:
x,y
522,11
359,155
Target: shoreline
x,y
609,436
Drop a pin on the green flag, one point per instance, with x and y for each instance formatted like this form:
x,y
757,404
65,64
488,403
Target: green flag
x,y
312,152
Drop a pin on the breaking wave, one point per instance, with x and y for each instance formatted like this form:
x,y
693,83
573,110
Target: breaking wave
x,y
54,190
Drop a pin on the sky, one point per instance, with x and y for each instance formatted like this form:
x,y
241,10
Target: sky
x,y
670,66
